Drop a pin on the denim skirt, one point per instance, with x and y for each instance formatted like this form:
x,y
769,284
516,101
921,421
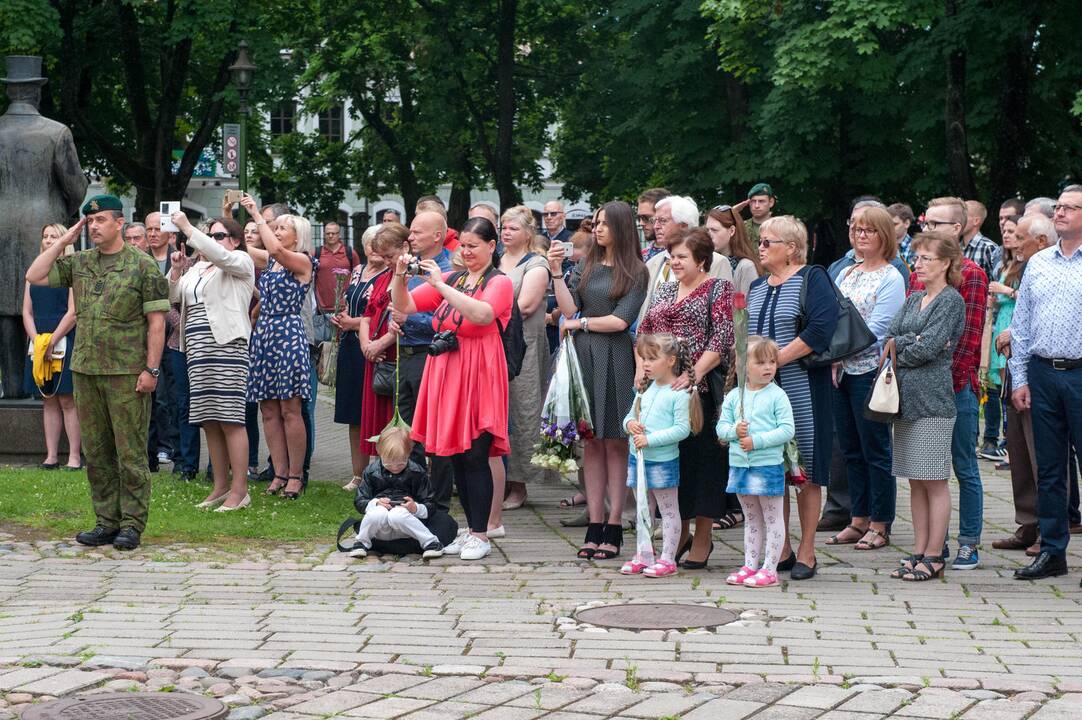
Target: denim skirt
x,y
765,480
659,475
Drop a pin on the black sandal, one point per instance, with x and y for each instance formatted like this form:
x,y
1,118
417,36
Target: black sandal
x,y
611,535
902,569
728,521
874,543
836,539
288,495
594,535
917,574
272,490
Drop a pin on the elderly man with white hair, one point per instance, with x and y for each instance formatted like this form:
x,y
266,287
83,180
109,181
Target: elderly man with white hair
x,y
669,213
1035,233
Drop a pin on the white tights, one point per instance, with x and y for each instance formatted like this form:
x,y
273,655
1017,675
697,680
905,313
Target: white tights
x,y
764,530
667,500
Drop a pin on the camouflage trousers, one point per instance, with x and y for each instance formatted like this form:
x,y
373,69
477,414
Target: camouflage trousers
x,y
114,419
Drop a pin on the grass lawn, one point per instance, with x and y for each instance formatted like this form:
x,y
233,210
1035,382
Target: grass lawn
x,y
56,504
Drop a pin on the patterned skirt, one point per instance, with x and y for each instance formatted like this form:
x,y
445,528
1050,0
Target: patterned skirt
x,y
217,374
922,448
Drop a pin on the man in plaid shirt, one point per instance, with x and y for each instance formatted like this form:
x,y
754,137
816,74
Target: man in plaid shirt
x,y
949,214
976,246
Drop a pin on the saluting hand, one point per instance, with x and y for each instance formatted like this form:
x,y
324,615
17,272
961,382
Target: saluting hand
x,y
72,235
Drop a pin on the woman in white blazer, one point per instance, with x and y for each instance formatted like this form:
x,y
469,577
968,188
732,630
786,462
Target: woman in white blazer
x,y
214,291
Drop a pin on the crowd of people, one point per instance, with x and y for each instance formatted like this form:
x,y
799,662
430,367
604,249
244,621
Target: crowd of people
x,y
212,327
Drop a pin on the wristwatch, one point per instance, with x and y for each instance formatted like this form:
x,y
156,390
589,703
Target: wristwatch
x,y
154,372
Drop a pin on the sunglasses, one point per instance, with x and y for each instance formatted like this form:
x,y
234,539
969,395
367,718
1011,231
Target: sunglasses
x,y
219,236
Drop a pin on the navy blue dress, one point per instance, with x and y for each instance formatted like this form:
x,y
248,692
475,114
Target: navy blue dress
x,y
50,305
281,363
350,376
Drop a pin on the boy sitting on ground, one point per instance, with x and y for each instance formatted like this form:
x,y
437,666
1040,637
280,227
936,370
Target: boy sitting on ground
x,y
395,497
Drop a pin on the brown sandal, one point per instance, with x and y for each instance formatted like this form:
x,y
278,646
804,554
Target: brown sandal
x,y
836,539
881,540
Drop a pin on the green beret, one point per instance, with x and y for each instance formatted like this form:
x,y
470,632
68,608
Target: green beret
x,y
760,189
100,203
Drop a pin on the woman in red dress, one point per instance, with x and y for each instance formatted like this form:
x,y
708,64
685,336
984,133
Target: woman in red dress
x,y
461,415
377,336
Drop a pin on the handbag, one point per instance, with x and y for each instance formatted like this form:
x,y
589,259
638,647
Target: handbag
x,y
327,367
851,335
884,403
715,379
59,350
384,379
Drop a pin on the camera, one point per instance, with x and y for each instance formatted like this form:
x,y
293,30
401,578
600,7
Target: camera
x,y
413,268
443,341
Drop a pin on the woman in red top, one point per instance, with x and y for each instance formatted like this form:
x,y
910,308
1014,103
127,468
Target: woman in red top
x,y
461,415
377,335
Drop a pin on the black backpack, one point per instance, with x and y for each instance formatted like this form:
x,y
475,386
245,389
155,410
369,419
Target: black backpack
x,y
514,341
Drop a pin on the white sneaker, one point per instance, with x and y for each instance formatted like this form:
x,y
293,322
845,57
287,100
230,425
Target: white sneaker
x,y
456,547
475,548
497,532
432,550
358,551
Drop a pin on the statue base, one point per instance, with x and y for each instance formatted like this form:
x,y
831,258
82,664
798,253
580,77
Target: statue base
x,y
22,437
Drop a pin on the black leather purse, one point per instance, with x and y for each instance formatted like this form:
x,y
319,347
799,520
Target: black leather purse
x,y
851,336
384,377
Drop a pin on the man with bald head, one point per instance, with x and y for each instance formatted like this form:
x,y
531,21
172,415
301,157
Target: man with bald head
x,y
555,222
487,212
427,233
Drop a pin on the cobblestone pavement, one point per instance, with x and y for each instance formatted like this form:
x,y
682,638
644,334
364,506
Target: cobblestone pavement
x,y
300,632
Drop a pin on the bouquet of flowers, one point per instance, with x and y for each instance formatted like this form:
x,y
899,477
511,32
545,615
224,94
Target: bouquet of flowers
x,y
327,368
565,416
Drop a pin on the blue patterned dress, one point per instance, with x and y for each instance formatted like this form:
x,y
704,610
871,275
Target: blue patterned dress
x,y
281,365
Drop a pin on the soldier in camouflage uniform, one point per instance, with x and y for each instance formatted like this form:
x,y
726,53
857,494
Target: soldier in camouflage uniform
x,y
120,301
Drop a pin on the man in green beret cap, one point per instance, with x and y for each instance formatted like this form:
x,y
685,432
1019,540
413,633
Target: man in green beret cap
x,y
760,203
120,303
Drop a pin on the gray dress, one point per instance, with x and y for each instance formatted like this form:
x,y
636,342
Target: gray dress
x,y
607,359
527,390
925,341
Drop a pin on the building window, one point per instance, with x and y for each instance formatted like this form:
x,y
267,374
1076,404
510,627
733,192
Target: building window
x,y
330,123
282,118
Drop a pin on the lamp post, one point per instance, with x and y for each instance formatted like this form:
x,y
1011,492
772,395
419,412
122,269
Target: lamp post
x,y
242,70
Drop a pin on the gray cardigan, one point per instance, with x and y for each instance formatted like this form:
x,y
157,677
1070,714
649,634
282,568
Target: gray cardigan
x,y
925,341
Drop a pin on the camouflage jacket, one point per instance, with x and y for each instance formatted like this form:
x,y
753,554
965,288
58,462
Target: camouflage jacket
x,y
111,304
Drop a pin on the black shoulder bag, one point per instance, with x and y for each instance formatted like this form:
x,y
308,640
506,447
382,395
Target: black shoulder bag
x,y
851,336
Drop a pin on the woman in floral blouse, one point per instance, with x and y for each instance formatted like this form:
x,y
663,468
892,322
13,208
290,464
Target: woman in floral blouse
x,y
699,310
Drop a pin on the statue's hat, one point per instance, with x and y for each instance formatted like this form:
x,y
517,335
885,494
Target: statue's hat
x,y
23,69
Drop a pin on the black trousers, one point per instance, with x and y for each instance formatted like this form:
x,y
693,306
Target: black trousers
x,y
473,477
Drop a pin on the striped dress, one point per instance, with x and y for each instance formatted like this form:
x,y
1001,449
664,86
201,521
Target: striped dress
x,y
217,374
773,312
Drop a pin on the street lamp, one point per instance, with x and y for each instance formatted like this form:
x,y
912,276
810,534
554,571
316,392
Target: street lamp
x,y
242,71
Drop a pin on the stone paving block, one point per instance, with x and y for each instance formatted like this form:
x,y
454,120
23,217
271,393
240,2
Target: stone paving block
x,y
335,702
442,688
63,683
881,702
846,715
936,703
823,697
764,693
1000,710
507,712
17,678
724,708
665,704
787,712
448,711
549,697
383,684
387,708
605,702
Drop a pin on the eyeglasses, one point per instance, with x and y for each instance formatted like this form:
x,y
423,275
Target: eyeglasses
x,y
763,242
553,213
934,224
219,236
1065,208
645,219
662,221
925,259
864,232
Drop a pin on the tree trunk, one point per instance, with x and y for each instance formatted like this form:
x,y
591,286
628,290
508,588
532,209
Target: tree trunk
x,y
960,170
1012,138
503,172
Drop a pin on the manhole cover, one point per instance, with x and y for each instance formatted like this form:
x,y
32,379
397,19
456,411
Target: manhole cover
x,y
656,616
130,706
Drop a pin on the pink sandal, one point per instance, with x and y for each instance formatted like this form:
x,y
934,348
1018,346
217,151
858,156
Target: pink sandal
x,y
662,568
763,578
634,566
738,577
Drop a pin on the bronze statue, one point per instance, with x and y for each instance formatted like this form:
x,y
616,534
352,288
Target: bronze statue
x,y
41,182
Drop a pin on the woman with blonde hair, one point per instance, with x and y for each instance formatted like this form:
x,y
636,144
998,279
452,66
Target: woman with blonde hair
x,y
281,366
52,310
529,273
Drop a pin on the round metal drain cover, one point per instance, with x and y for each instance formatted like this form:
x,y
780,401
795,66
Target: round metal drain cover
x,y
130,706
656,616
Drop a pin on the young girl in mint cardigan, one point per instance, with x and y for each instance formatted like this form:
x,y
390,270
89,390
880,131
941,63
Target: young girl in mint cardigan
x,y
659,419
757,434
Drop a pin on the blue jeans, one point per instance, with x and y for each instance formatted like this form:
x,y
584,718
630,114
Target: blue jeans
x,y
995,420
308,410
1056,397
189,434
866,446
966,469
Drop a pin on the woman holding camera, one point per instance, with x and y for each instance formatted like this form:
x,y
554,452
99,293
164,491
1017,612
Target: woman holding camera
x,y
461,415
214,292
